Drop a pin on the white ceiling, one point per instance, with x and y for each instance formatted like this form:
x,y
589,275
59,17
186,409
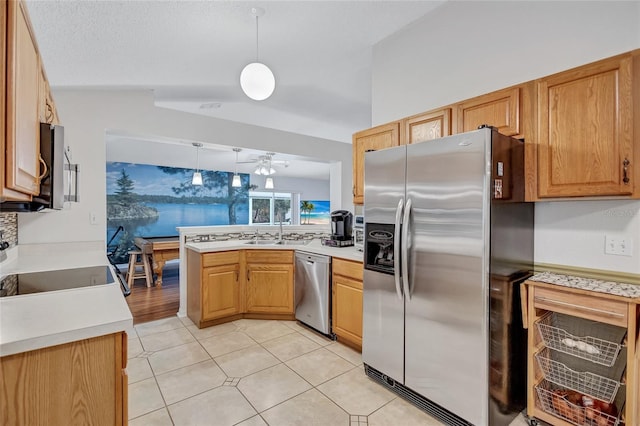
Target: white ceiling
x,y
190,53
181,153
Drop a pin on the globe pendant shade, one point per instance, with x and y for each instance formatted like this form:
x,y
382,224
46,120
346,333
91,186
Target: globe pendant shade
x,y
257,81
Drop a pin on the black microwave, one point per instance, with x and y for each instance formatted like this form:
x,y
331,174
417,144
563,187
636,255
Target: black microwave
x,y
59,183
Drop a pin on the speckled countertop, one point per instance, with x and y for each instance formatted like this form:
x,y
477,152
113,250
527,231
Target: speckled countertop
x,y
590,284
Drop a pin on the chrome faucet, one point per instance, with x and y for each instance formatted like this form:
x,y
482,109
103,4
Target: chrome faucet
x,y
280,220
256,235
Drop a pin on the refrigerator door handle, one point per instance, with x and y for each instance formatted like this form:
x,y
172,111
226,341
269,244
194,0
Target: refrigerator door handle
x,y
396,249
405,249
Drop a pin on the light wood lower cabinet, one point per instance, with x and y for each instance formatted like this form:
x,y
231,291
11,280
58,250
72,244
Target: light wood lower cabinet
x,y
581,344
270,281
220,284
78,383
223,286
346,289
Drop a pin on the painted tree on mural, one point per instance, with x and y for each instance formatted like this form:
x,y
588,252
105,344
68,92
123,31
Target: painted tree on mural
x,y
215,184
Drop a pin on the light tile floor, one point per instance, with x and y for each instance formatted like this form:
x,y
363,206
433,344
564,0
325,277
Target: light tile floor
x,y
254,373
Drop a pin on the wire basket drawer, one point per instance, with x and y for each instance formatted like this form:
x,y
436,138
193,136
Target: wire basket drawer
x,y
590,340
552,401
585,382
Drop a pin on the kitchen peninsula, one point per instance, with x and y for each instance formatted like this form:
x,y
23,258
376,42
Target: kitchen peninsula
x,y
242,271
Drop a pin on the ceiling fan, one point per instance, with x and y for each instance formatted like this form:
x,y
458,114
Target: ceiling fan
x,y
264,164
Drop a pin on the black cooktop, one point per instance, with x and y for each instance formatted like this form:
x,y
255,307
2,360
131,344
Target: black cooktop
x,y
61,279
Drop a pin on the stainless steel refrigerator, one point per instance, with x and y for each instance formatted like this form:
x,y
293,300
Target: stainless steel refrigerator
x,y
448,239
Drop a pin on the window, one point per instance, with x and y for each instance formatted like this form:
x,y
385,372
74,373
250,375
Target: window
x,y
269,208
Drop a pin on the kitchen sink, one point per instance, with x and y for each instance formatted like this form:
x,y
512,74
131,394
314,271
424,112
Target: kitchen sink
x,y
263,242
279,243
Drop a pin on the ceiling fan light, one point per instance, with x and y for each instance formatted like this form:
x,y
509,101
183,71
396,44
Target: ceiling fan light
x,y
236,181
257,81
272,171
268,183
197,179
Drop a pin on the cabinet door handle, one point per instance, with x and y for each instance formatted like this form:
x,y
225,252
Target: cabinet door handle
x,y
44,165
625,171
237,276
247,274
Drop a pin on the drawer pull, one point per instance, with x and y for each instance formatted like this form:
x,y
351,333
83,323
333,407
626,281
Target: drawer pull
x,y
580,307
625,171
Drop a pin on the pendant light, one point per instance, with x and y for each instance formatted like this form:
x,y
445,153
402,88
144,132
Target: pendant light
x,y
197,176
257,80
236,183
268,183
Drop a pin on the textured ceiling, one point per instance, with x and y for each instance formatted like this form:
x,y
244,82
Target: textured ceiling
x,y
191,53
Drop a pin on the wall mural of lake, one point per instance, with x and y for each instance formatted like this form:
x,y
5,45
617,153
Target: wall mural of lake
x,y
150,201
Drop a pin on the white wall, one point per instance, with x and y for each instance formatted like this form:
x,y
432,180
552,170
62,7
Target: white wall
x,y
309,189
88,114
466,49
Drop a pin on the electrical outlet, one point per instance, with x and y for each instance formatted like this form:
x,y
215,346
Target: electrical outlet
x,y
618,245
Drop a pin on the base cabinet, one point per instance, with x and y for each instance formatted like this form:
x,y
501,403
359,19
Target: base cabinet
x,y
270,282
220,291
346,292
224,286
78,383
583,360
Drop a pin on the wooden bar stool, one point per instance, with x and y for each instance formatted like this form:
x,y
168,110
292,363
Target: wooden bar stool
x,y
139,267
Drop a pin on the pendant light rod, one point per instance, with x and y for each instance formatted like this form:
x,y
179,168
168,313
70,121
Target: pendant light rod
x,y
257,47
256,79
198,145
236,183
237,150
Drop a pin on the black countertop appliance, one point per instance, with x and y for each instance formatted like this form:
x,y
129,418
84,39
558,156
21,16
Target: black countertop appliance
x,y
341,225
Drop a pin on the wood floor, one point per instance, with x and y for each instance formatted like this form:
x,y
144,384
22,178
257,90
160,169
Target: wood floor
x,y
152,303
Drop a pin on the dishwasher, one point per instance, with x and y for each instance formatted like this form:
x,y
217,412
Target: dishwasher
x,y
312,290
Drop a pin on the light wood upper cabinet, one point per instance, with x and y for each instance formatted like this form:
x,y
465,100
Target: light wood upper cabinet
x,y
585,130
47,108
22,148
427,126
500,109
346,292
380,137
82,382
270,282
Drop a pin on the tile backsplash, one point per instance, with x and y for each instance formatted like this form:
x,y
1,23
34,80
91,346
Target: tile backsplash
x,y
9,227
